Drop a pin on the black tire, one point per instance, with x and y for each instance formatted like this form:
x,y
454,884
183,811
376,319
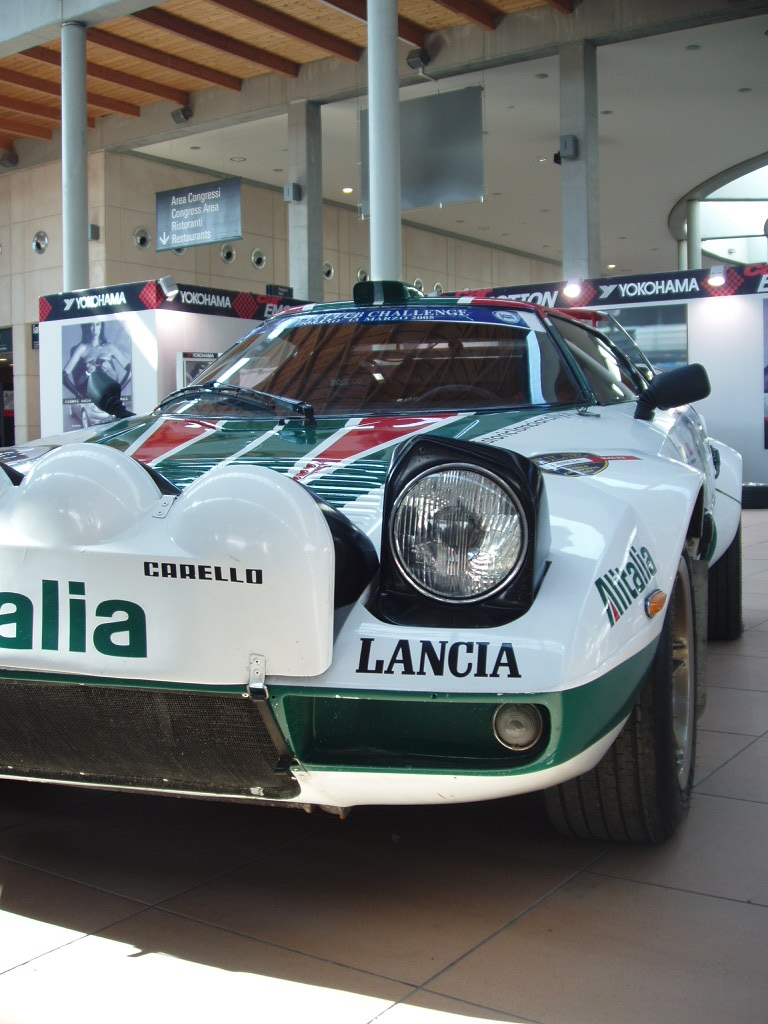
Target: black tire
x,y
641,789
724,620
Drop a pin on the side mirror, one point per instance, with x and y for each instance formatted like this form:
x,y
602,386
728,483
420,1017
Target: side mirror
x,y
675,387
104,392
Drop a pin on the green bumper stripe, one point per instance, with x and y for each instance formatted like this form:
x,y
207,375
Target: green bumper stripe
x,y
348,730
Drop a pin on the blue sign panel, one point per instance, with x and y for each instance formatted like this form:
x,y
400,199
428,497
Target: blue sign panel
x,y
198,215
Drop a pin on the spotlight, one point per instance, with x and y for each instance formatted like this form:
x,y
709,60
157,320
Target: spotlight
x,y
418,59
717,277
168,287
572,289
181,114
9,158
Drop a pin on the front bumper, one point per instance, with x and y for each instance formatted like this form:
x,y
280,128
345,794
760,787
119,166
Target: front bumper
x,y
298,745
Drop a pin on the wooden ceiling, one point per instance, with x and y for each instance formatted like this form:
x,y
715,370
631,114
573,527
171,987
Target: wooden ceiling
x,y
174,49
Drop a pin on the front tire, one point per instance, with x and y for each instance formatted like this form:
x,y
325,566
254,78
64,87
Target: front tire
x,y
725,617
641,789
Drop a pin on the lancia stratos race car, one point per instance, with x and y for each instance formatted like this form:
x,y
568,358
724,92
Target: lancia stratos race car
x,y
400,550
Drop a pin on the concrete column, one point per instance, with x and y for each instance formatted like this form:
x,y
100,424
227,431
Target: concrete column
x,y
579,175
384,141
305,215
682,254
74,156
693,233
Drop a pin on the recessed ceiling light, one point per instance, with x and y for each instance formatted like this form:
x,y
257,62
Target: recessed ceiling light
x,y
541,159
745,88
194,147
459,221
237,159
606,111
693,46
541,74
277,170
347,190
611,266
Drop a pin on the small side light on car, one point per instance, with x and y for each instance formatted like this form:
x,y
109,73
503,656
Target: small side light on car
x,y
458,533
518,727
654,603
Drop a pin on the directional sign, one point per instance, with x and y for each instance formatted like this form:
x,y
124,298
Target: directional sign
x,y
198,215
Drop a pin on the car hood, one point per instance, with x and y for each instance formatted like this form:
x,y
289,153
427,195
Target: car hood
x,y
89,527
345,461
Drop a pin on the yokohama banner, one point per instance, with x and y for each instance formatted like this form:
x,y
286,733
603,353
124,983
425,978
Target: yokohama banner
x,y
618,291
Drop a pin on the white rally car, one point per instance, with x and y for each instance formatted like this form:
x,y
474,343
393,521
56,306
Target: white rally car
x,y
396,550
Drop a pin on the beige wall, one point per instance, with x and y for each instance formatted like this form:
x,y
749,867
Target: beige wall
x,y
121,198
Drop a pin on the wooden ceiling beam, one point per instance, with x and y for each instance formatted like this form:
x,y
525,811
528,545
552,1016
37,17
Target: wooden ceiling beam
x,y
292,27
407,30
217,41
40,85
24,130
161,58
34,109
19,106
474,10
112,106
145,85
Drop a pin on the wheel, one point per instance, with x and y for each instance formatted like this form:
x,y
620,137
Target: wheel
x,y
724,614
641,789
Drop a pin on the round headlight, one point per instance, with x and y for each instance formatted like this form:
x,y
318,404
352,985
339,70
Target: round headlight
x,y
458,533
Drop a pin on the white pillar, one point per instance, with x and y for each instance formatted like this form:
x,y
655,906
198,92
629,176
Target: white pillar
x,y
693,233
74,156
384,141
579,176
305,215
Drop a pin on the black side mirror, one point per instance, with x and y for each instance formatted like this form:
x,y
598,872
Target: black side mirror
x,y
104,392
675,387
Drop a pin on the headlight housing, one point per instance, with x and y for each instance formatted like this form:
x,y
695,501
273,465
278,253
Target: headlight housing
x,y
460,534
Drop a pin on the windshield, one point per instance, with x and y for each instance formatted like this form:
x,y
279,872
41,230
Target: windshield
x,y
363,362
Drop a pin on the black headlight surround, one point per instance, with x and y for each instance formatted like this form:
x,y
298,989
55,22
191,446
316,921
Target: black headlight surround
x,y
398,600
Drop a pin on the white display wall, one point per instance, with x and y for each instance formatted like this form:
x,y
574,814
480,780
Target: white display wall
x,y
135,334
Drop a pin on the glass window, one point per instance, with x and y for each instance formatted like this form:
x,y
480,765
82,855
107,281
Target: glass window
x,y
363,362
609,375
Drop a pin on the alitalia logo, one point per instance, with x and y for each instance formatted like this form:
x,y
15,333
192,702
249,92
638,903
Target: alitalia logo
x,y
619,588
62,621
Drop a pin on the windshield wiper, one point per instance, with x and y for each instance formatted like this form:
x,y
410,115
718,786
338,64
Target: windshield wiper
x,y
261,399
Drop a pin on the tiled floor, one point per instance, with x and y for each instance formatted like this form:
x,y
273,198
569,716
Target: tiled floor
x,y
119,908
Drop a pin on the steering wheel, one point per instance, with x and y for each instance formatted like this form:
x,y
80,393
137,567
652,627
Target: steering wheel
x,y
468,394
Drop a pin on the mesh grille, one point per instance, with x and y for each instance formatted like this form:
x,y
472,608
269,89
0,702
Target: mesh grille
x,y
198,743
